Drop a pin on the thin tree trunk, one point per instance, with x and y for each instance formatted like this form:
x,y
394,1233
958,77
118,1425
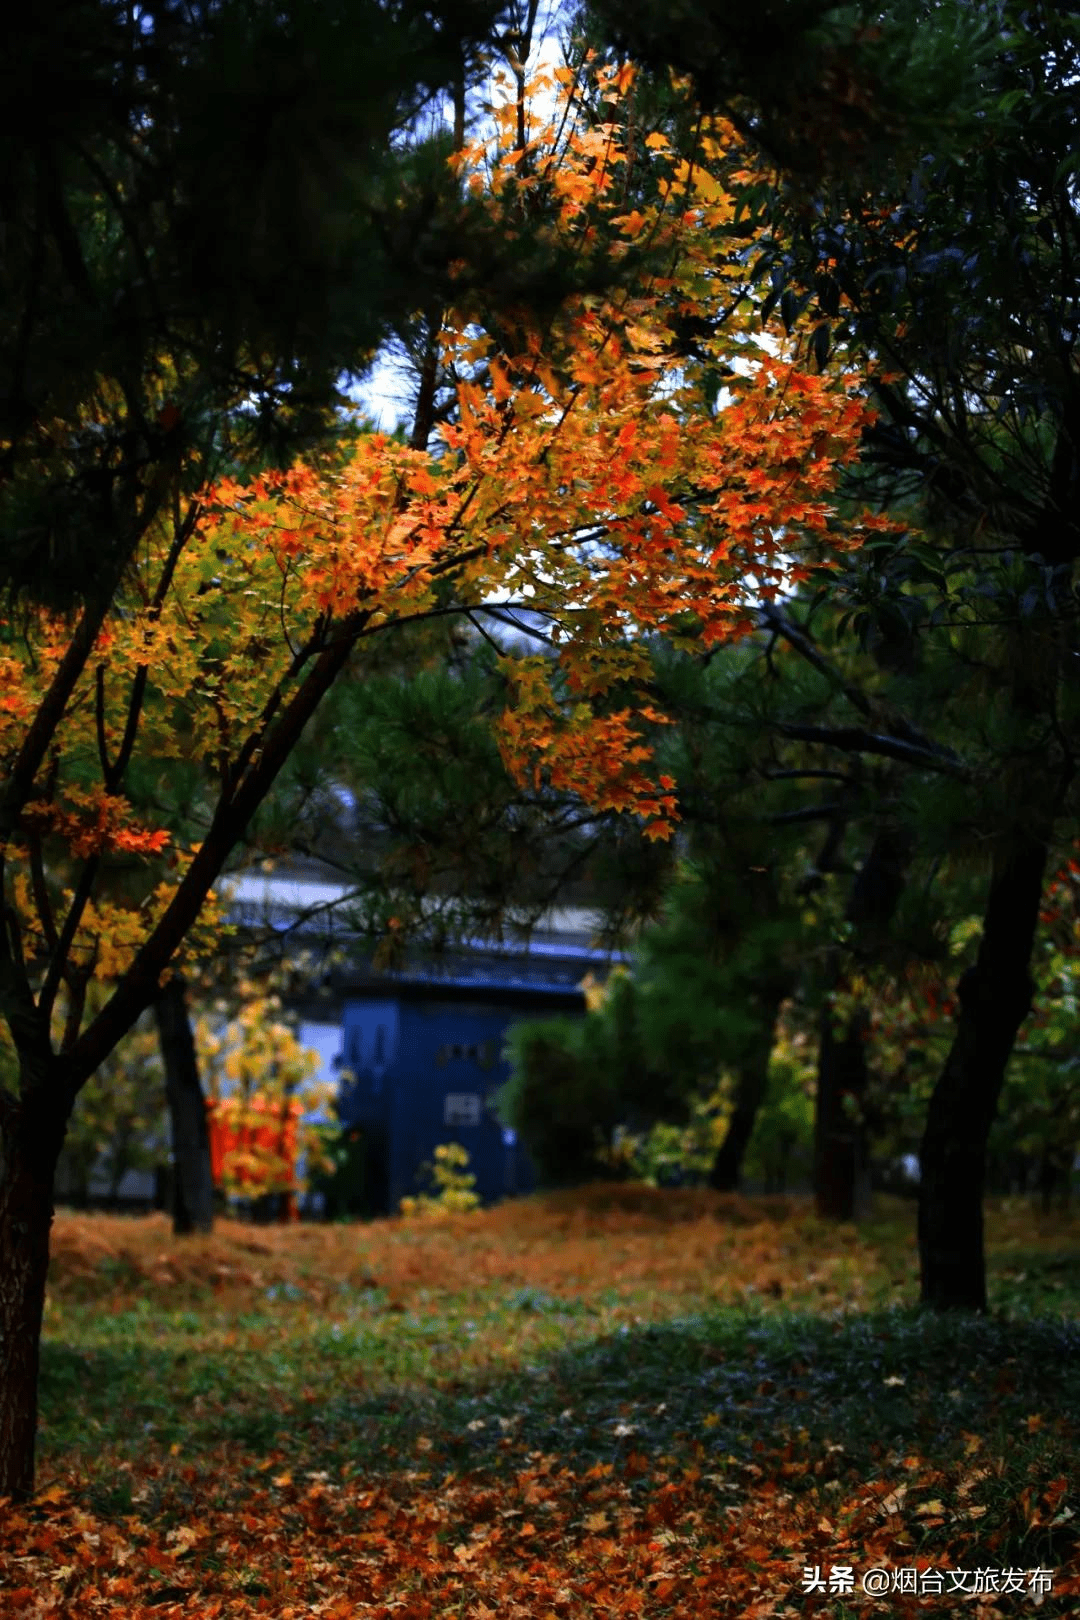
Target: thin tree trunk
x,y
193,1182
841,1143
726,1172
752,1081
31,1135
995,995
1048,1175
994,998
841,1149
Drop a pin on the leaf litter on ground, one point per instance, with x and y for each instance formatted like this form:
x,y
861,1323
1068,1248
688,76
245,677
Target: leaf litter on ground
x,y
619,1401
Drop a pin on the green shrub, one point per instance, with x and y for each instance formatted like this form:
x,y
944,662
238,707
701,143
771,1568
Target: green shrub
x,y
561,1098
119,1122
781,1150
668,1153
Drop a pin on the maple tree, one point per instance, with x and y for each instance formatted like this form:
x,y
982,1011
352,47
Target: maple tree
x,y
580,469
262,1089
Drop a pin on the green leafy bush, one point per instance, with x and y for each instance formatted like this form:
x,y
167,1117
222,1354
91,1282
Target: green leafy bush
x,y
781,1149
669,1153
562,1097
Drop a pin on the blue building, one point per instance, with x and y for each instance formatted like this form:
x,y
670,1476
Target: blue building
x,y
423,1055
419,1050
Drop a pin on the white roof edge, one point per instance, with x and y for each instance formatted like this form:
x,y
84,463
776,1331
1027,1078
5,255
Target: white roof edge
x,y
303,894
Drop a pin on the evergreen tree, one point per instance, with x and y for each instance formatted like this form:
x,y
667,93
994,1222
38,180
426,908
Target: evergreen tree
x,y
940,246
213,216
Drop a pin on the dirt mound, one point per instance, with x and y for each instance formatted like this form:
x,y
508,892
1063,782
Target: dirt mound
x,y
556,1241
97,1253
660,1205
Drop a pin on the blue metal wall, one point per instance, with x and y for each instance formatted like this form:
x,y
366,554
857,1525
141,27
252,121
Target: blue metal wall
x,y
424,1071
371,1041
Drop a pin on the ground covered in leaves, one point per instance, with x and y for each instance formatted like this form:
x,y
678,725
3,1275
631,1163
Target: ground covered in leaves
x,y
622,1402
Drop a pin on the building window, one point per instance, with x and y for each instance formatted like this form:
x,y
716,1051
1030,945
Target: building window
x,y
480,1052
463,1108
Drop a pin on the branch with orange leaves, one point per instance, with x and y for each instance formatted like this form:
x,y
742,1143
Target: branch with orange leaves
x,y
582,472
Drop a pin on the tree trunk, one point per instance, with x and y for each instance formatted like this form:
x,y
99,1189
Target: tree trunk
x,y
752,1080
31,1135
841,1145
841,1150
726,1171
994,998
1048,1175
193,1182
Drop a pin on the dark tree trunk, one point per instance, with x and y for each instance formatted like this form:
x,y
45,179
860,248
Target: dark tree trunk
x,y
193,1182
841,1149
1048,1178
726,1171
841,1142
31,1135
752,1080
994,999
995,995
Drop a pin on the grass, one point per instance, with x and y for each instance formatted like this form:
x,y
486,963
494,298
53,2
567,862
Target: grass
x,y
725,1390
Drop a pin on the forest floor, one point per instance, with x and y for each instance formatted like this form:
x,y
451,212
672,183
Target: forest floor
x,y
615,1402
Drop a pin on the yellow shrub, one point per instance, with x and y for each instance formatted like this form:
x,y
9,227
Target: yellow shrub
x,y
452,1185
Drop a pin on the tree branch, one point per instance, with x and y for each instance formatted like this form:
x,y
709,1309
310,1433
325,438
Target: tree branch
x,y
58,959
113,774
50,712
854,740
11,951
138,986
76,985
809,812
41,892
801,776
796,637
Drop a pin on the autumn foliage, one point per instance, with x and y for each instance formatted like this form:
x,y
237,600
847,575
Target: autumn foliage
x,y
262,1091
580,472
628,1540
579,467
